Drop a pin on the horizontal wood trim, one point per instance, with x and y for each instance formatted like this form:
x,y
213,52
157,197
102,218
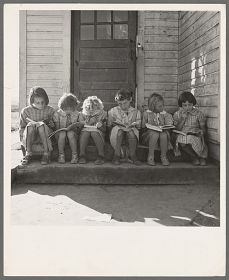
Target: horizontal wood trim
x,y
162,23
44,59
166,94
44,13
161,62
44,75
45,44
212,78
160,39
32,19
161,70
161,78
161,47
161,86
45,83
161,54
51,35
45,67
162,15
45,27
159,30
45,52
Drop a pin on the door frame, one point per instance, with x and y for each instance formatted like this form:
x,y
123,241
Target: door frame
x,y
75,36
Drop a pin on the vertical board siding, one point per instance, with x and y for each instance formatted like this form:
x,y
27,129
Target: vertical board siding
x,y
48,52
199,65
161,56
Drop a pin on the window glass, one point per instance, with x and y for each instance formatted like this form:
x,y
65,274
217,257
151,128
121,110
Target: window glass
x,y
87,16
87,32
103,32
120,31
103,16
120,16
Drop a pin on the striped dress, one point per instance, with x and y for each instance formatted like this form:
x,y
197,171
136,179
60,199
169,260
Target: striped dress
x,y
36,115
158,119
194,122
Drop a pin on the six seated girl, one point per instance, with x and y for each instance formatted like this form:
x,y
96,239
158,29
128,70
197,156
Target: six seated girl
x,y
38,120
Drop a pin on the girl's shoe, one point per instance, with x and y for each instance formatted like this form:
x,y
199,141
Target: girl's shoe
x,y
26,159
74,159
195,161
135,161
99,160
164,161
150,161
82,160
116,160
45,159
203,162
61,158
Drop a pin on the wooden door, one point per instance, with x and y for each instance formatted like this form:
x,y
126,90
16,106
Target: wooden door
x,y
103,53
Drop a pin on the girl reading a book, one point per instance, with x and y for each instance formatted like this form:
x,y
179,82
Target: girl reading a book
x,y
35,126
124,122
153,137
67,126
191,121
94,118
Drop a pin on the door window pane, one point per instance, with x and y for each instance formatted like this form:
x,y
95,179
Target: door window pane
x,y
103,16
120,16
87,32
120,31
87,16
103,32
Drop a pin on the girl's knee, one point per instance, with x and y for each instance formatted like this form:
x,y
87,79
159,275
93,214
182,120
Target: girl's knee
x,y
30,130
131,135
163,135
120,133
153,134
62,134
71,134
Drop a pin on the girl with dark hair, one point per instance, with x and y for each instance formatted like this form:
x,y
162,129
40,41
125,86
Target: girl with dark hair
x,y
191,121
35,125
124,122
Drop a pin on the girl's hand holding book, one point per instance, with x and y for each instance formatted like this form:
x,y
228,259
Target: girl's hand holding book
x,y
99,125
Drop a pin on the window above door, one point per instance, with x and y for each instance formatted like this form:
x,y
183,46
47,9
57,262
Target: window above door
x,y
103,25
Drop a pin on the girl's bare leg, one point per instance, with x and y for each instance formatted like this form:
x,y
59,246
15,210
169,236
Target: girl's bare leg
x,y
72,141
29,139
61,141
41,131
119,143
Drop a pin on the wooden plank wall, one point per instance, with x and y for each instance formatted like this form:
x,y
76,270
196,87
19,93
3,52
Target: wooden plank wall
x,y
199,64
161,56
47,42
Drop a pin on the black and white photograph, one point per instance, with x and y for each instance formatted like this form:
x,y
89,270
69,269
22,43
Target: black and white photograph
x,y
116,117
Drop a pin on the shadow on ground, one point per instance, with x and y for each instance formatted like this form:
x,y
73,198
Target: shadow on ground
x,y
173,205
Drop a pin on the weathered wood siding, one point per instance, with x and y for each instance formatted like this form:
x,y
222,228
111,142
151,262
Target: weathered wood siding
x,y
199,65
45,53
160,43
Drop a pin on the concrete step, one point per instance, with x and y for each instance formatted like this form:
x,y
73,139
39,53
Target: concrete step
x,y
126,173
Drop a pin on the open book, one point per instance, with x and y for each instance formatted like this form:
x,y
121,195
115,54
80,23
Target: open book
x,y
159,128
186,133
58,130
123,125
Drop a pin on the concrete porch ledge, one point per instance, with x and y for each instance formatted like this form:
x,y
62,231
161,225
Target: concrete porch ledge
x,y
176,173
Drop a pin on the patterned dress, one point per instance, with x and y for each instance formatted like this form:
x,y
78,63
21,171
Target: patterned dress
x,y
98,116
36,115
193,123
157,119
127,118
63,120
